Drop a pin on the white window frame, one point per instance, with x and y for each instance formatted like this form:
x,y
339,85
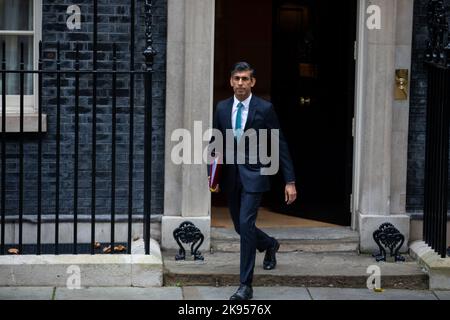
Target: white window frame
x,y
30,101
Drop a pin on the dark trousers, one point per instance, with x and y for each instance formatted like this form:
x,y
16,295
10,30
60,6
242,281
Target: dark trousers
x,y
244,208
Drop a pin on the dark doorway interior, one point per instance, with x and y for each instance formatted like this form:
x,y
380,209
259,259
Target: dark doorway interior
x,y
303,52
243,32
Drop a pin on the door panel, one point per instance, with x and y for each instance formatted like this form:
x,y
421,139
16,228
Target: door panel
x,y
312,91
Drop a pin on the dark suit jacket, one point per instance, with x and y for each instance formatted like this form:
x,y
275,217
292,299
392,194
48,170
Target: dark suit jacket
x,y
261,115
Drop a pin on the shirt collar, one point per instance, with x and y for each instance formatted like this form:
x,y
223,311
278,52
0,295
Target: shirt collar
x,y
246,102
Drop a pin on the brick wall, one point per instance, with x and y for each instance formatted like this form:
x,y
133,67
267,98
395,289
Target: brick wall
x,y
113,26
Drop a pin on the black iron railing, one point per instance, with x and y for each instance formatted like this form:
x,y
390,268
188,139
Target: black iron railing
x,y
437,132
93,74
149,54
3,189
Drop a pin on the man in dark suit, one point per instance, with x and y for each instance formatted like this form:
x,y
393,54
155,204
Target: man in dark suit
x,y
243,182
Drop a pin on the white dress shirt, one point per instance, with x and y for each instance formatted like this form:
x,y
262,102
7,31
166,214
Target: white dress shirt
x,y
244,112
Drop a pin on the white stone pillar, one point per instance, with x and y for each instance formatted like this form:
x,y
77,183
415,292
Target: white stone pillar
x,y
380,168
400,108
190,66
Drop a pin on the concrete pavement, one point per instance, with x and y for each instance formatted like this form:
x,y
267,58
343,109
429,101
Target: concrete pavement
x,y
215,293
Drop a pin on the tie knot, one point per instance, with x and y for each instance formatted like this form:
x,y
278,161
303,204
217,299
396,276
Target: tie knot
x,y
240,105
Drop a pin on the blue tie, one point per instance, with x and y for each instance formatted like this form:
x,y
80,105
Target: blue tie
x,y
238,124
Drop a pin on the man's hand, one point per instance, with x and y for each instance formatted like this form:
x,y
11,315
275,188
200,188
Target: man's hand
x,y
290,193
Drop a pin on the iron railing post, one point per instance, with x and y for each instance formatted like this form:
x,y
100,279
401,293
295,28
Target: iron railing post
x,y
39,184
149,54
58,144
131,129
3,192
76,148
21,143
94,128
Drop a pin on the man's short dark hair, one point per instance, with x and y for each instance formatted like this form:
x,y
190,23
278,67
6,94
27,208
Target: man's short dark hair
x,y
243,66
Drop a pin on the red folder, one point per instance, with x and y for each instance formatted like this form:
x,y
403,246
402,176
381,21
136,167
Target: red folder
x,y
214,174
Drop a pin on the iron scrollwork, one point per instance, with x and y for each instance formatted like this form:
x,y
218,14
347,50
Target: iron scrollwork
x,y
187,232
438,46
389,237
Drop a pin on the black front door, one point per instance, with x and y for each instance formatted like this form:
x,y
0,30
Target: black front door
x,y
313,94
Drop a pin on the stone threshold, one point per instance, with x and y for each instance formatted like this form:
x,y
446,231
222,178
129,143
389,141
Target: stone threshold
x,y
322,239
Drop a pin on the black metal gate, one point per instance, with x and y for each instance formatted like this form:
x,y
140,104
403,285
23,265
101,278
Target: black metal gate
x,y
437,134
93,75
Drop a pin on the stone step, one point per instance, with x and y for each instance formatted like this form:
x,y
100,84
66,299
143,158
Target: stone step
x,y
294,269
326,239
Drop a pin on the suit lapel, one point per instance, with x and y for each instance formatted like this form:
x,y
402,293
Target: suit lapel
x,y
251,113
229,111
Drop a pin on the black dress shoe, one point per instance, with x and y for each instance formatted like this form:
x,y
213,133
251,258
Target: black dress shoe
x,y
243,293
270,259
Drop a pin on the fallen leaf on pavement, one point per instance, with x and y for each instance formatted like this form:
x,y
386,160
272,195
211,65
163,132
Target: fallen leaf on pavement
x,y
120,248
13,251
